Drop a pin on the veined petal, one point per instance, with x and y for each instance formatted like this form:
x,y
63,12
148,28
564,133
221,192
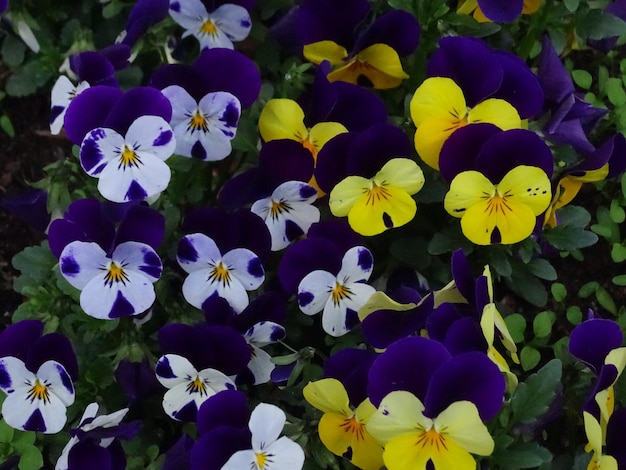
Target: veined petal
x,y
139,257
318,52
195,251
34,409
183,104
451,455
241,459
260,365
527,185
438,98
246,267
282,118
466,190
593,432
432,134
314,291
329,396
233,20
322,132
81,261
199,286
153,135
381,208
345,194
264,333
172,370
58,381
401,173
399,413
360,72
188,13
266,424
341,310
461,423
401,453
384,59
13,374
496,111
282,454
99,147
356,265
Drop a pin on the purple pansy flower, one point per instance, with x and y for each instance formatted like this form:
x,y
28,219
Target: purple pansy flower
x,y
144,14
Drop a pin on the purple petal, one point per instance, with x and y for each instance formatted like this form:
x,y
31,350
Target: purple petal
x,y
319,100
592,340
52,347
217,446
501,12
144,14
471,376
305,256
88,454
462,275
16,340
351,367
117,54
614,435
227,408
440,321
408,364
269,306
356,107
552,74
617,160
374,147
465,335
29,206
89,110
398,29
332,164
137,102
286,160
224,338
338,231
177,457
519,86
137,380
94,68
141,224
319,20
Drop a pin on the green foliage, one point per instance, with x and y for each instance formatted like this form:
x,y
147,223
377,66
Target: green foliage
x,y
533,397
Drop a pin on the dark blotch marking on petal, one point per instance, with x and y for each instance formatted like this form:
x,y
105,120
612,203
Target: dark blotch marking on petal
x,y
198,151
121,307
348,453
151,258
135,192
305,298
69,266
65,378
230,386
277,334
5,378
55,111
35,422
307,191
164,138
496,237
292,230
153,271
175,6
387,220
164,369
255,268
352,318
365,261
231,115
90,154
385,412
245,23
364,81
187,412
186,251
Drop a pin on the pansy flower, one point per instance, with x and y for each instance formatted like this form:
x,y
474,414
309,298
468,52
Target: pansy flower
x,y
144,14
341,428
210,273
339,296
96,440
500,12
269,451
288,212
218,29
63,92
382,202
204,129
115,285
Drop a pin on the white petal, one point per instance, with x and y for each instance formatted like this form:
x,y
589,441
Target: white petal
x,y
62,93
151,135
182,103
264,333
176,399
286,455
172,370
135,256
266,424
341,317
14,374
223,109
134,183
234,20
246,267
241,460
216,380
357,265
210,41
80,262
106,300
197,251
34,414
98,148
58,381
314,291
190,14
260,365
210,146
62,461
198,287
295,191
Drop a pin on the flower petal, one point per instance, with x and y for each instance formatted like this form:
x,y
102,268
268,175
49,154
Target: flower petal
x,y
246,267
314,291
195,251
80,262
172,370
328,396
266,424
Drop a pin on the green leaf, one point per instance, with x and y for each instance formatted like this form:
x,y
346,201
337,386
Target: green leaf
x,y
529,357
412,251
6,432
617,213
447,241
605,299
27,79
575,216
599,25
619,280
588,289
31,459
528,286
533,397
615,91
582,78
524,455
567,238
571,5
618,252
7,125
36,264
542,324
574,315
623,184
559,291
542,269
516,325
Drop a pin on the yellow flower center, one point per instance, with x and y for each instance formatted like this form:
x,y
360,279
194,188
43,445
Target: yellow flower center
x,y
261,458
198,122
197,385
431,439
220,273
354,427
376,194
39,392
129,158
339,293
115,273
208,27
278,207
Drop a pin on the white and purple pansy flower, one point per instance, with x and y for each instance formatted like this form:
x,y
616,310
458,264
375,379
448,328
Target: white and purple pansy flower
x,y
288,212
119,285
35,401
63,92
131,167
211,273
188,388
204,129
341,296
259,335
227,24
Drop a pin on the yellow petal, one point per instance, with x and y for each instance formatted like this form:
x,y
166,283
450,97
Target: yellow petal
x,y
531,6
383,58
430,137
399,413
467,6
495,111
461,423
381,301
452,457
438,98
448,293
401,173
527,185
322,132
381,208
282,119
345,194
318,52
593,431
401,453
467,189
329,396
